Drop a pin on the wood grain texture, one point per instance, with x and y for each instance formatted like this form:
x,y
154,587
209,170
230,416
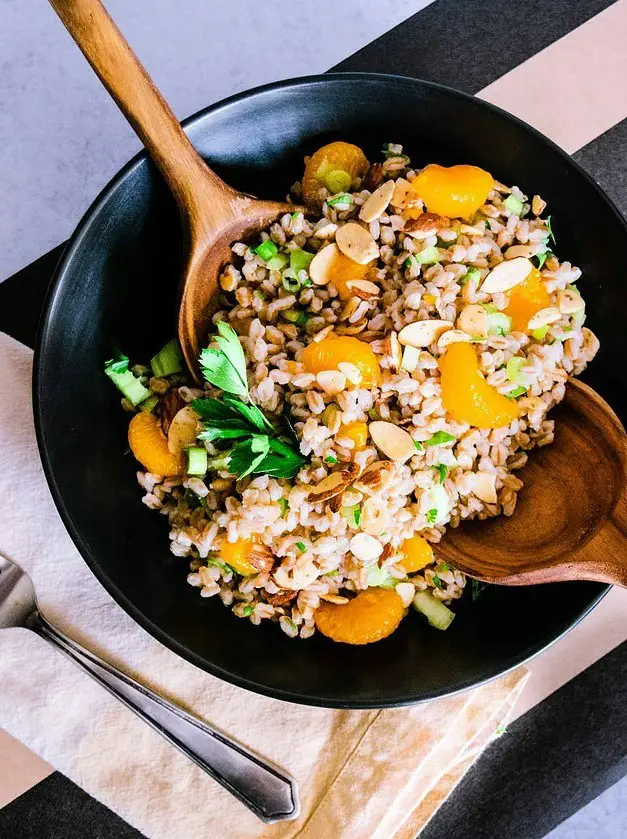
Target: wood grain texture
x,y
570,521
214,215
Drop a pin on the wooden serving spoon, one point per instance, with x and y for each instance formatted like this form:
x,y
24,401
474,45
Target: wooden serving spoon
x,y
214,214
570,521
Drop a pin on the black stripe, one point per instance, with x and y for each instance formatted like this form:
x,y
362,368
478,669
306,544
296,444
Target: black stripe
x,y
469,44
605,158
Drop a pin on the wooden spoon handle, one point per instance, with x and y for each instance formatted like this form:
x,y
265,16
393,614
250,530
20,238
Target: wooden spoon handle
x,y
121,72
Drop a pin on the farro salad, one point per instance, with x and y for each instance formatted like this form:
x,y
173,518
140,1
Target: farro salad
x,y
381,367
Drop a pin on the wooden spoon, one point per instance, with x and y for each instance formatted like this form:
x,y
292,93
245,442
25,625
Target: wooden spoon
x,y
570,521
214,214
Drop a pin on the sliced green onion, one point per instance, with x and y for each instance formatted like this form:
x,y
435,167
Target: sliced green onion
x,y
247,611
289,282
547,224
338,181
283,504
440,437
542,258
148,404
499,323
352,515
301,546
300,259
296,316
379,577
540,332
472,275
217,563
278,262
342,199
438,615
331,460
514,366
168,360
407,263
197,461
373,414
428,256
296,215
442,470
419,445
514,205
517,391
125,381
266,250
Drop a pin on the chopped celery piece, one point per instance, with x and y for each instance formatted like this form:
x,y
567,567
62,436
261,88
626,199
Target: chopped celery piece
x,y
517,391
168,360
125,381
438,615
439,504
197,461
266,250
342,199
149,403
472,275
338,181
513,368
283,504
300,259
439,438
352,514
514,205
297,316
276,263
579,318
373,414
379,577
539,333
499,323
429,256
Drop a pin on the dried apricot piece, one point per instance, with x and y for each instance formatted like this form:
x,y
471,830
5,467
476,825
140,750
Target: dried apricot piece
x,y
330,265
331,351
466,395
357,432
236,555
371,616
325,168
150,446
417,554
526,299
453,191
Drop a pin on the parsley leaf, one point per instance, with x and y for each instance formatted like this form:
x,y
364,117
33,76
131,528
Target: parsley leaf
x,y
440,437
547,223
432,515
301,546
418,445
437,582
226,367
542,258
331,460
442,471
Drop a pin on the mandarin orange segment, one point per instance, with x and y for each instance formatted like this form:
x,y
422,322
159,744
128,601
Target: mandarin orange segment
x,y
417,554
526,299
150,446
334,157
466,395
357,432
343,269
236,555
372,615
328,353
453,191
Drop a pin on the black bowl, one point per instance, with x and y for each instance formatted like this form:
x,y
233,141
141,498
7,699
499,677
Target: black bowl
x,y
117,286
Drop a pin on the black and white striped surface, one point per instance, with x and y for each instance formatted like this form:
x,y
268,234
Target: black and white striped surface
x,y
560,64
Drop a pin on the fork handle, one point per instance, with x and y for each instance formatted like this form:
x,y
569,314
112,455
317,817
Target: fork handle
x,y
268,792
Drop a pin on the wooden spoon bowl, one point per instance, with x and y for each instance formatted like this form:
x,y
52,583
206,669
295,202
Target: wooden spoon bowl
x,y
570,522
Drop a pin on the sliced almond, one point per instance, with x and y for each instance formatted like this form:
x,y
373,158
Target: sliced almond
x,y
425,225
375,478
404,194
282,597
538,205
375,518
356,243
473,319
337,599
393,441
506,275
363,289
183,430
520,250
569,302
336,503
333,484
411,357
395,351
377,203
351,371
320,267
325,231
331,381
406,592
484,487
454,336
423,333
469,230
544,317
365,548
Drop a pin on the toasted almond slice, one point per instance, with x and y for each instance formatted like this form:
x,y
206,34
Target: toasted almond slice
x,y
356,243
183,430
375,478
333,484
351,371
569,301
336,503
469,230
473,319
520,250
363,289
325,231
260,557
538,205
396,352
338,599
375,518
404,194
377,203
425,225
320,266
484,487
365,548
393,441
544,317
423,333
507,274
411,357
331,381
454,336
320,336
374,176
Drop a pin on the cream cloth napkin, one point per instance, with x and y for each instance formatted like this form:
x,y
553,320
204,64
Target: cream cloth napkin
x,y
362,774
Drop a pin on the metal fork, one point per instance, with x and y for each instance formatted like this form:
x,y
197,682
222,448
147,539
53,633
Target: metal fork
x,y
270,793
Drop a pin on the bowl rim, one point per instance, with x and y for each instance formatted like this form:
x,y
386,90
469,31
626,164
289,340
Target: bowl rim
x,y
45,330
